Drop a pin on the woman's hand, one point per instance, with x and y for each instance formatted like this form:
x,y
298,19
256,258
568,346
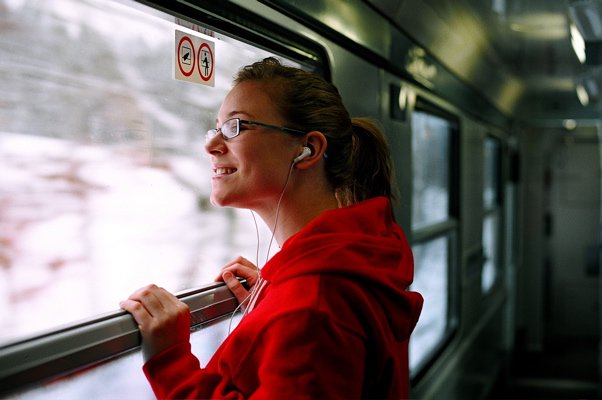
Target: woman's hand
x,y
242,268
163,319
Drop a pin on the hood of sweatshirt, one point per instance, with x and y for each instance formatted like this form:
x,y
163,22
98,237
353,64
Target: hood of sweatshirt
x,y
359,242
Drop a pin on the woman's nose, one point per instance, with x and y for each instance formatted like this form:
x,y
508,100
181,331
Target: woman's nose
x,y
215,145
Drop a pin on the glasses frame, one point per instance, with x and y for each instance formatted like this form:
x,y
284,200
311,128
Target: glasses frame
x,y
211,133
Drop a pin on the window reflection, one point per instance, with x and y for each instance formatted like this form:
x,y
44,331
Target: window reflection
x,y
103,183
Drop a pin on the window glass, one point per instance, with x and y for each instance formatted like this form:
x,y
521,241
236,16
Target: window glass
x,y
431,279
431,169
104,185
490,248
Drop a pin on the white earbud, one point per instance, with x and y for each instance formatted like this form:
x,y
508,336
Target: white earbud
x,y
306,152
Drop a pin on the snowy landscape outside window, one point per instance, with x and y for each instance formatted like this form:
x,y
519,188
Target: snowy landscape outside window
x,y
104,182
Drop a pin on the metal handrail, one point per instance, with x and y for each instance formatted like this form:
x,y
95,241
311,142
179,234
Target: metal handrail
x,y
87,343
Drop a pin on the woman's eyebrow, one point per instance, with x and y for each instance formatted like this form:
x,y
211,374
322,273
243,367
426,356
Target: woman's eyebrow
x,y
232,114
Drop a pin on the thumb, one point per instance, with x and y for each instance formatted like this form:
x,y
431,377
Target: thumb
x,y
235,286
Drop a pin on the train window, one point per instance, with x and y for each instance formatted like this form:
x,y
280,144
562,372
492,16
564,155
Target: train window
x,y
434,230
104,183
491,219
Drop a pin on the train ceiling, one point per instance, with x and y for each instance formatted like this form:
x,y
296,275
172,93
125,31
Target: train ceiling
x,y
528,43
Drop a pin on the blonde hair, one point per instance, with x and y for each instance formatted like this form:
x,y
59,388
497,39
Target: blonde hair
x,y
358,162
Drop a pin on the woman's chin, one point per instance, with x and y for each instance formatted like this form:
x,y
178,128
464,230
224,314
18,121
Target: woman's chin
x,y
217,201
222,201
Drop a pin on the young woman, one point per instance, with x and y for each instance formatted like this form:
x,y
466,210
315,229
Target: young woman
x,y
329,315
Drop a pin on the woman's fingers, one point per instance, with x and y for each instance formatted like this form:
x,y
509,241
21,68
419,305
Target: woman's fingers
x,y
142,304
147,296
242,268
237,289
141,315
163,319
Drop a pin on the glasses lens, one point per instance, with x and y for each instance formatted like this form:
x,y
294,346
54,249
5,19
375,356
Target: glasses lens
x,y
230,128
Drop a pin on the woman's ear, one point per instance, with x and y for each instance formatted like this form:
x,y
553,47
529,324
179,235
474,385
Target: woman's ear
x,y
317,143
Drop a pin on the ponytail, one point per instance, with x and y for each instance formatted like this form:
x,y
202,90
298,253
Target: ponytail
x,y
370,164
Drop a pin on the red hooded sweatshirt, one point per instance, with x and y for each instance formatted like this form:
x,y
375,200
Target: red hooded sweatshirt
x,y
332,322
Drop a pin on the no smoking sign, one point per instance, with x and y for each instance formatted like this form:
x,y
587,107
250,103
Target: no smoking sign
x,y
194,59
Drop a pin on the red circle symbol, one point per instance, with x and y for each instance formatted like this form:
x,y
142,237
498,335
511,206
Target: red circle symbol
x,y
186,56
205,62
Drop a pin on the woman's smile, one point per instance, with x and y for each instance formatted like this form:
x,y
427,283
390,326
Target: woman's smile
x,y
220,171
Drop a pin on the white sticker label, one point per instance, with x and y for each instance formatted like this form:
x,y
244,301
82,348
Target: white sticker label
x,y
194,59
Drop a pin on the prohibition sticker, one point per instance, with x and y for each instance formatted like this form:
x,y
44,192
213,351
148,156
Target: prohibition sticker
x,y
205,63
194,59
186,57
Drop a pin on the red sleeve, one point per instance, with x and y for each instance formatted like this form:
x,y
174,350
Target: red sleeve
x,y
176,374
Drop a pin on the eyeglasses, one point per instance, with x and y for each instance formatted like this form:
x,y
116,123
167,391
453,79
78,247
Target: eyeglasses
x,y
231,128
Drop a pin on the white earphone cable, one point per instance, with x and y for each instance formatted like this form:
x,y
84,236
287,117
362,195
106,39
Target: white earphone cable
x,y
251,297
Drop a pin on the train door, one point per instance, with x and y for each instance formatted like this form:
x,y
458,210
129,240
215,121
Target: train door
x,y
560,297
573,292
574,197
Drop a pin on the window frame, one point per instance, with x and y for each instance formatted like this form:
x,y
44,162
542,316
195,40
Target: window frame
x,y
239,23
